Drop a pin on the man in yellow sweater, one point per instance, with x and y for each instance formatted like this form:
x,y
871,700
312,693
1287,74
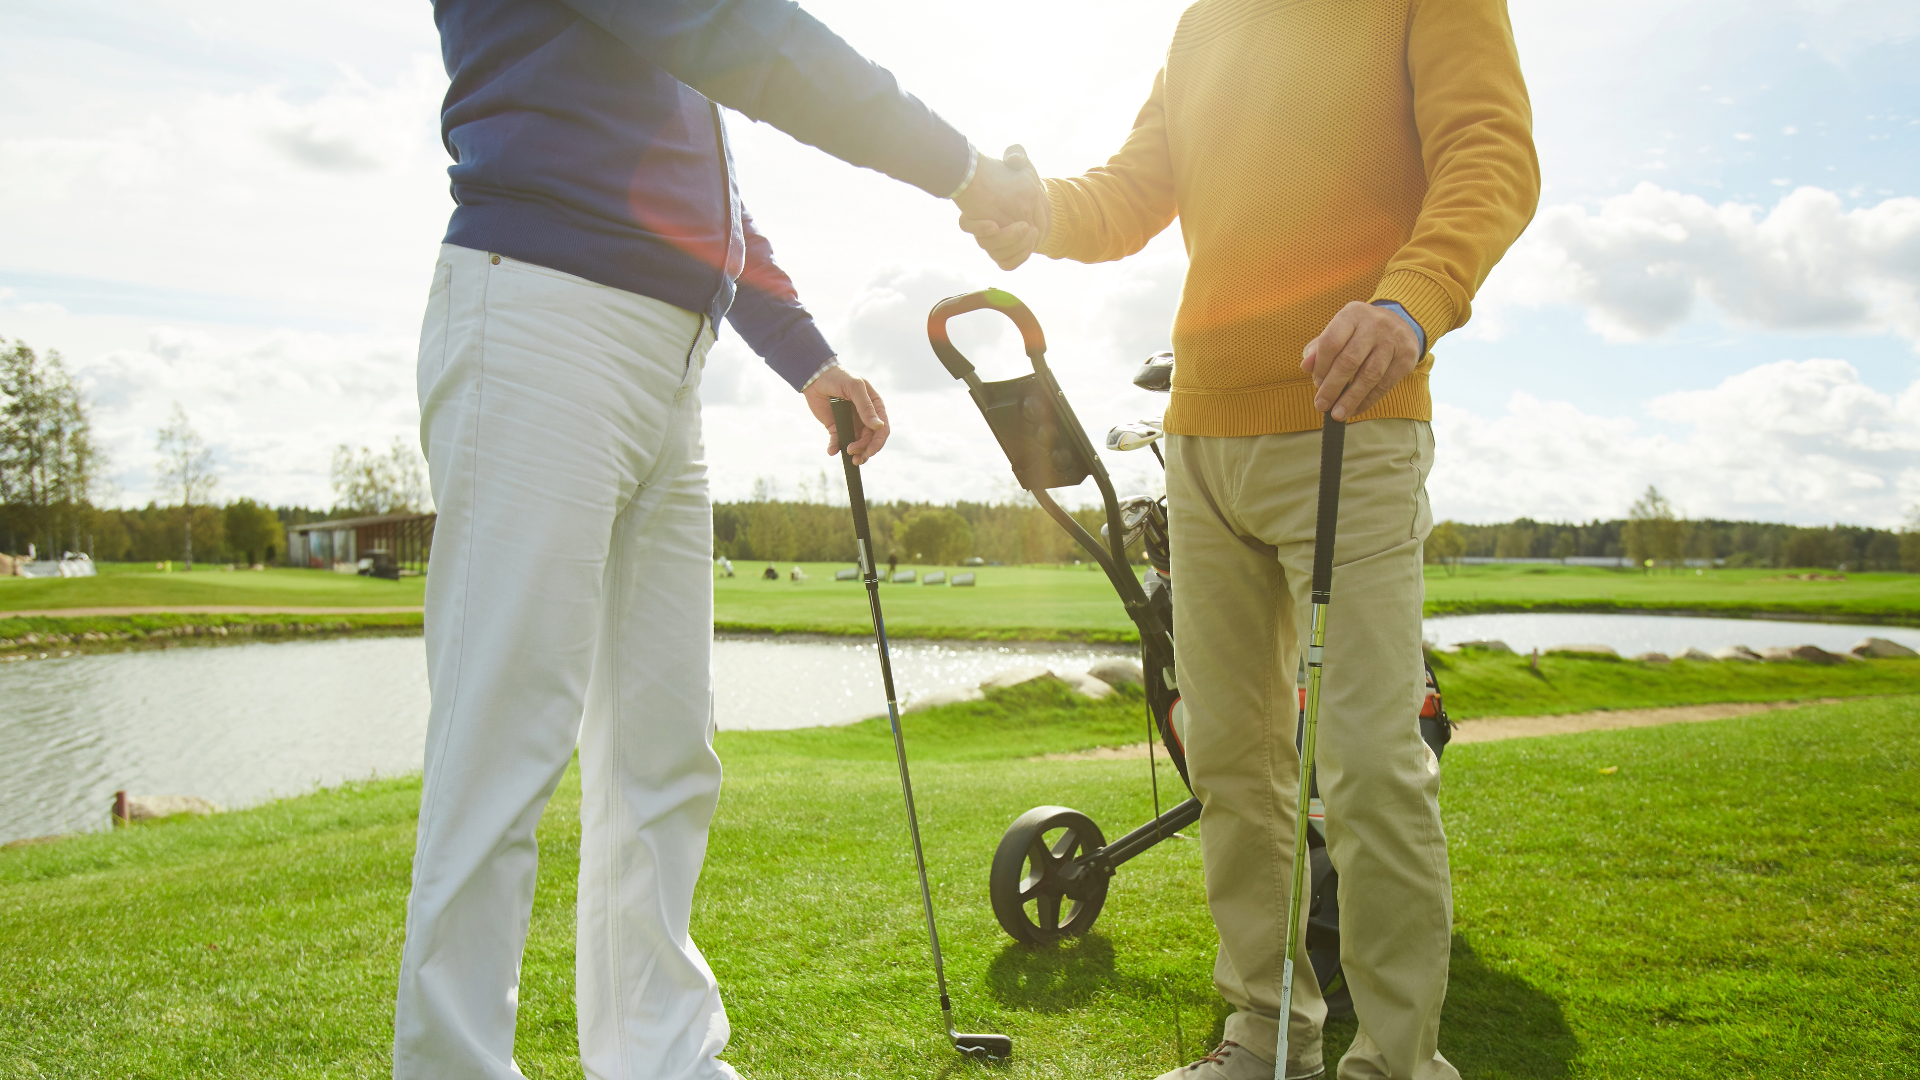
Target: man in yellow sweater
x,y
1346,173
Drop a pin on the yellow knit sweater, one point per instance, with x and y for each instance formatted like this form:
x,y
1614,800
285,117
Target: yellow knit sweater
x,y
1316,152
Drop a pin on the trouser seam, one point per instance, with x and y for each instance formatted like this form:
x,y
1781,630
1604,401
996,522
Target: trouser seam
x,y
611,627
430,819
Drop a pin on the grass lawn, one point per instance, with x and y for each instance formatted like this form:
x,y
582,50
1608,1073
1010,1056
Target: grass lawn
x,y
1736,899
1871,598
140,585
1010,603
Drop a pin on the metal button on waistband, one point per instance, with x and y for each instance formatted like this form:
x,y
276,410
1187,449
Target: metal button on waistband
x,y
496,260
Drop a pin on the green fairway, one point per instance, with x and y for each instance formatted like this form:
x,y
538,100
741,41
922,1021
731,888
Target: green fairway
x,y
1870,598
140,585
1732,899
1009,603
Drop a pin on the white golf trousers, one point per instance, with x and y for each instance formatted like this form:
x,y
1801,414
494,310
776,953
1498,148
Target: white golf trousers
x,y
569,599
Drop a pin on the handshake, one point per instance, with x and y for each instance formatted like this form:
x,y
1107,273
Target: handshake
x,y
1004,206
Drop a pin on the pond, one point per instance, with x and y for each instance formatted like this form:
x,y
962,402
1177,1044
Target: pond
x,y
243,723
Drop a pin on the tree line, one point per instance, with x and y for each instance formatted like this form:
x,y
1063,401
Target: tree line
x,y
918,532
52,482
1654,530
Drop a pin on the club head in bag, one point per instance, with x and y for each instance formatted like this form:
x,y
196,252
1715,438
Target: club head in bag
x,y
1133,435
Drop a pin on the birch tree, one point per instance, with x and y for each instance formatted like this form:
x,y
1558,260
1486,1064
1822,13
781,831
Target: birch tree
x,y
186,470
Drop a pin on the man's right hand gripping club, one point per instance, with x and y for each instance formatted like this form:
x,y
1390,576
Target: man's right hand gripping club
x,y
834,381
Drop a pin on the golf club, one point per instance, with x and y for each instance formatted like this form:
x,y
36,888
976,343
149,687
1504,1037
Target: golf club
x,y
1333,441
844,426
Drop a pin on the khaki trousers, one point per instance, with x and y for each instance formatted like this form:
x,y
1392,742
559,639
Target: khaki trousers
x,y
1242,535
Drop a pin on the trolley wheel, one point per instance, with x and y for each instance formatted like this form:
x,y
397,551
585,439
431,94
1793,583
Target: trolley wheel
x,y
1041,889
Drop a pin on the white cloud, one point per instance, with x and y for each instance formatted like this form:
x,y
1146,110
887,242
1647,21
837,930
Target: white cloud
x,y
270,406
885,337
1643,262
1803,441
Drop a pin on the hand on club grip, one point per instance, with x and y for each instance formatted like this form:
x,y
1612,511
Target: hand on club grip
x,y
1363,353
838,382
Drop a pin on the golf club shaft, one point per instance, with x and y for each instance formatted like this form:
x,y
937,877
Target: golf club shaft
x,y
844,425
1333,439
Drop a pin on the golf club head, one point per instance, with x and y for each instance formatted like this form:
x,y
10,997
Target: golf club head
x,y
1133,435
993,1047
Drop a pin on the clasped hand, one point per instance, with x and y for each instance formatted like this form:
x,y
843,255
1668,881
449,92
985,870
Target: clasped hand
x,y
1005,207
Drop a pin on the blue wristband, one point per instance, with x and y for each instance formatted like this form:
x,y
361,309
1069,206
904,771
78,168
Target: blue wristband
x,y
1418,331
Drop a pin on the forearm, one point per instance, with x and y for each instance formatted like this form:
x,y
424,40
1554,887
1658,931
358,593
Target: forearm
x,y
1476,134
1112,211
775,63
769,317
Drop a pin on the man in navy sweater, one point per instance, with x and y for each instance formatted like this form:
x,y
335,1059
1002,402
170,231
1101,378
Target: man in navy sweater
x,y
597,241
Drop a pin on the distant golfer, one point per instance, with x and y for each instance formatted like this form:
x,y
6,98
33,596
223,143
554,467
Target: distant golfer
x,y
597,242
1345,176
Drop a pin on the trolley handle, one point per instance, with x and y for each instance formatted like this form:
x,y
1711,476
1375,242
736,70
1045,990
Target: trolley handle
x,y
1005,303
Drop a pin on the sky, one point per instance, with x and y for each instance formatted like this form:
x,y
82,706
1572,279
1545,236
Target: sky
x,y
237,207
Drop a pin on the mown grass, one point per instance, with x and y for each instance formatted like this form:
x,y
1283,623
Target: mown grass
x,y
1479,684
1009,603
1736,899
1886,598
140,585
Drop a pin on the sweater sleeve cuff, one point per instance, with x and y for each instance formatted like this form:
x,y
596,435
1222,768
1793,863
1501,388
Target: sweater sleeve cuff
x,y
1424,299
1054,244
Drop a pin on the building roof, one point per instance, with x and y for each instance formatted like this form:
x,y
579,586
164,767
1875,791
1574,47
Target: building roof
x,y
359,522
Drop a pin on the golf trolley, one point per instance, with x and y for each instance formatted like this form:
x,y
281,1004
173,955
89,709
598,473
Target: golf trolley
x,y
1050,874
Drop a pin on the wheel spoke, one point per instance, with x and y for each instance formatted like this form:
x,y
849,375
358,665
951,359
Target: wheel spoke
x,y
1049,912
1063,847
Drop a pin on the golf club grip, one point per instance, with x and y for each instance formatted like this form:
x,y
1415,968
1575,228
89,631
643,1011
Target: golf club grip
x,y
1005,303
1333,444
844,424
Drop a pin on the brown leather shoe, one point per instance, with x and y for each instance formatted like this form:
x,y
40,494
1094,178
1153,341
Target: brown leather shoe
x,y
1231,1061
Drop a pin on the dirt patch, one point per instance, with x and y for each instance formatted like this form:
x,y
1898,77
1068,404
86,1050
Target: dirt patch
x,y
1496,728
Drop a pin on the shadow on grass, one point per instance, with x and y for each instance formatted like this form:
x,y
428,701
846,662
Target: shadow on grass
x,y
1497,1025
1053,978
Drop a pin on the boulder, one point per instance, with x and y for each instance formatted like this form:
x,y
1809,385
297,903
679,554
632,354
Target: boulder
x,y
1812,654
936,577
953,696
1879,648
1696,654
1084,683
1654,658
1485,646
851,573
154,807
1118,671
962,580
1586,650
1737,652
1018,676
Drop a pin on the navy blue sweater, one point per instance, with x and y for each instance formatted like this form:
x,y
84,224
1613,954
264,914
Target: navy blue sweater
x,y
585,138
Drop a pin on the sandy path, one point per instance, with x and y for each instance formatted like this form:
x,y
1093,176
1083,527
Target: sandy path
x,y
1521,727
207,609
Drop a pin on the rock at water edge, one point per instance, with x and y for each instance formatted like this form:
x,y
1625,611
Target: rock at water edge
x,y
1485,646
946,697
1654,658
1118,671
1018,676
1737,652
1879,648
154,807
1084,683
1586,650
1696,654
